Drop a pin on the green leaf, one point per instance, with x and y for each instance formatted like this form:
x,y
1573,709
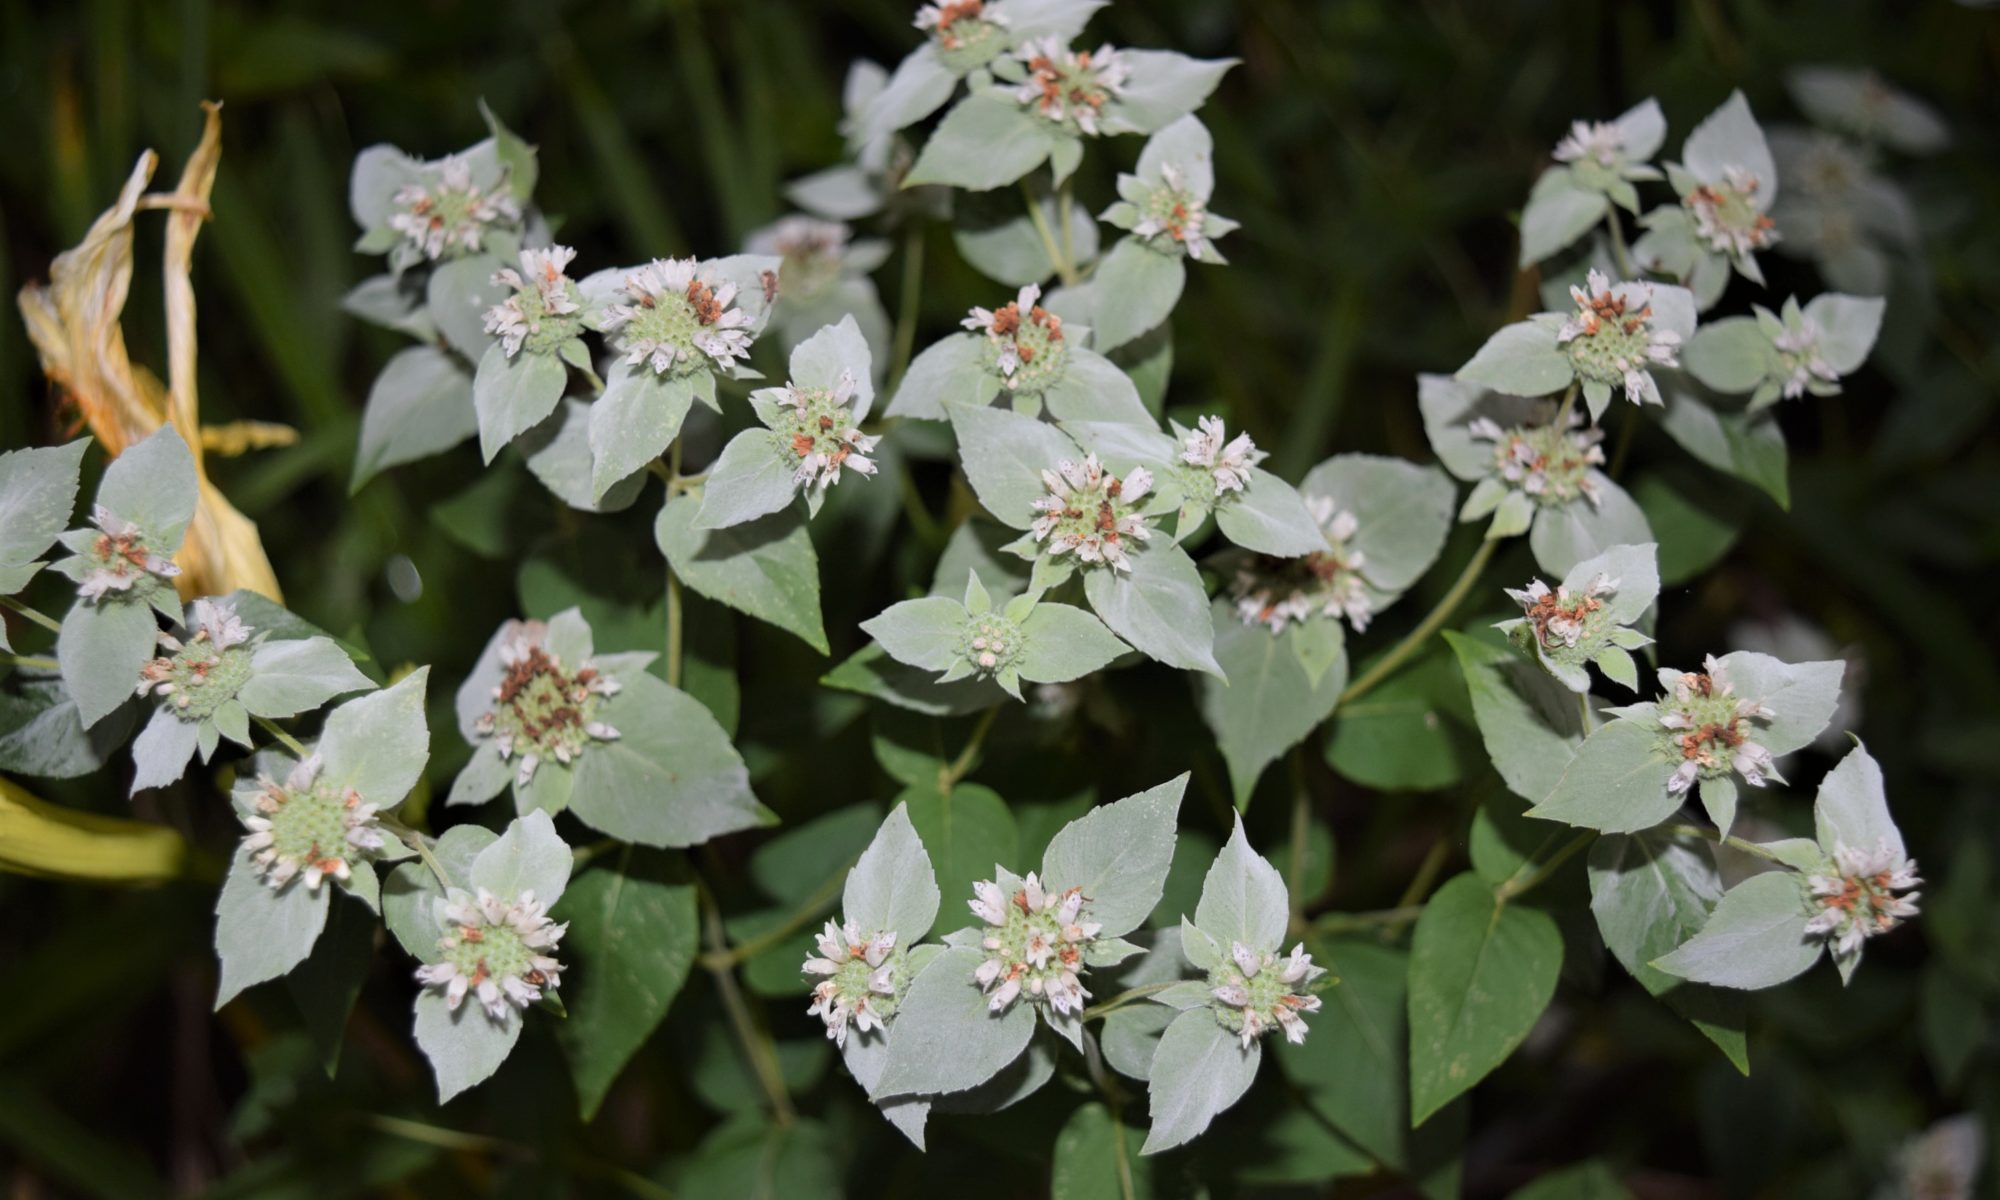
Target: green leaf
x,y
378,744
101,647
1097,1157
37,494
946,1040
1093,388
326,984
751,479
1694,522
41,734
1199,1070
1402,512
871,672
298,675
1617,783
1592,1180
512,395
1061,643
892,886
1529,721
765,568
1118,854
987,140
1756,937
420,405
1004,455
927,633
458,295
1352,1063
410,890
1802,696
637,418
153,485
966,833
1270,703
1160,606
1520,360
1267,516
1730,355
748,1158
800,863
261,934
558,453
1136,288
464,1047
1560,210
1852,809
1406,735
951,371
997,239
517,156
1563,537
1730,137
528,857
1243,899
1847,325
670,777
635,925
161,752
1748,445
1481,972
1163,87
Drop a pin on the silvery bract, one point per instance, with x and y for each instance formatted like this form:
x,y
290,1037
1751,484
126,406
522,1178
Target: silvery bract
x,y
1026,639
1714,727
568,728
824,279
1614,339
1589,617
1208,1056
1789,353
1727,182
123,565
37,495
811,437
1850,883
1164,208
316,820
1597,164
1528,474
217,674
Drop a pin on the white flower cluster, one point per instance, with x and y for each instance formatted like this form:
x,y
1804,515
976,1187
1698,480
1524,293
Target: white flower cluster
x,y
1227,460
1024,339
1091,512
1280,591
119,557
1172,211
301,827
859,984
1034,943
1256,991
541,710
818,427
1798,347
673,313
454,214
543,293
1726,216
951,21
500,952
1857,899
1611,337
1551,464
1559,618
199,674
1600,141
1071,87
1706,724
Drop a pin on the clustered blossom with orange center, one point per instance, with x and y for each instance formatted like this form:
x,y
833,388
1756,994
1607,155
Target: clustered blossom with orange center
x,y
541,710
117,558
1611,338
304,828
1560,618
545,309
1708,729
1034,941
1552,464
964,30
1277,592
1857,897
1726,215
860,976
674,315
1071,87
499,951
1092,513
1024,341
1254,992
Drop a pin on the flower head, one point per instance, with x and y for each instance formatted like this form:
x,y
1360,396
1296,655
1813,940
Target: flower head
x,y
1255,991
812,250
542,710
501,952
1279,591
1799,354
1708,727
1227,463
304,828
119,558
452,214
1552,464
861,977
197,676
1092,512
1071,87
678,320
1600,142
1559,619
1728,215
545,309
817,428
1856,895
1034,941
1611,338
1024,341
967,33
1171,217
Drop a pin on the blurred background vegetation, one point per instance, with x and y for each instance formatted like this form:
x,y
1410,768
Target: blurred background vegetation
x,y
1375,151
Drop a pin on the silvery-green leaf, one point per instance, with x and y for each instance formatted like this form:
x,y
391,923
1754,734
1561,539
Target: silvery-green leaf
x,y
927,633
1749,445
670,777
410,890
946,1038
1004,455
1718,800
1802,696
1118,854
1730,355
528,857
835,351
101,648
987,140
865,1056
1092,388
292,676
1852,809
515,155
558,452
484,776
464,1047
765,568
1199,948
232,720
378,744
1186,146
1617,782
1528,721
919,87
637,418
161,752
1560,210
1847,328
380,171
1199,1070
1130,1036
1730,137
1618,667
839,193
1565,536
1520,360
41,735
1268,516
950,372
871,672
1159,606
1243,899
458,295
512,395
259,933
1449,406
1123,445
152,484
892,885
1163,87
1270,702
1755,938
1402,512
751,479
1136,288
1319,643
420,405
37,495
1061,643
1000,241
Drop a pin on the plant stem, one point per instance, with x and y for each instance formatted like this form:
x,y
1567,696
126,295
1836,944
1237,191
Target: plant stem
x,y
1295,868
756,1043
949,776
1627,433
284,739
907,303
1583,709
1065,196
1619,250
1733,842
674,621
31,660
415,841
1530,877
46,622
802,916
1569,403
1381,918
1124,999
1427,873
1432,622
1064,267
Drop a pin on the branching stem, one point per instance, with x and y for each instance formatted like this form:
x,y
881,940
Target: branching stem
x,y
1432,622
40,618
